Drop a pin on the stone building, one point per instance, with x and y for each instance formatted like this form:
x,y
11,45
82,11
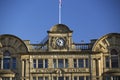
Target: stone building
x,y
58,57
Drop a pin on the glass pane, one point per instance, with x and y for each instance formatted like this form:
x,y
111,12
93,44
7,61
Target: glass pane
x,y
46,78
81,78
87,78
34,78
66,63
66,78
54,63
107,78
34,63
114,61
107,61
40,78
54,78
75,77
60,63
86,63
40,63
75,63
6,63
14,63
46,63
80,63
60,78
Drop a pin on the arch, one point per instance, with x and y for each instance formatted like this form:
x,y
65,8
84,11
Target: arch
x,y
107,42
12,43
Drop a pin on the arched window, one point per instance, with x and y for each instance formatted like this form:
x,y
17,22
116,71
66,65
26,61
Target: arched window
x,y
114,58
8,61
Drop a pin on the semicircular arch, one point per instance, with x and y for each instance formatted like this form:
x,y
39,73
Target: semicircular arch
x,y
12,43
107,42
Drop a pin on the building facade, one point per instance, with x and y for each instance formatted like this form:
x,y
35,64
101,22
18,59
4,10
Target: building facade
x,y
57,57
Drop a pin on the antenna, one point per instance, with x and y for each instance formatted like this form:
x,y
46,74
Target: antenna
x,y
60,6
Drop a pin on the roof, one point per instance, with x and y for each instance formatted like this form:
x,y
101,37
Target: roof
x,y
60,28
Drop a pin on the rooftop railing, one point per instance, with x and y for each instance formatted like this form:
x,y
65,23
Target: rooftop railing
x,y
75,47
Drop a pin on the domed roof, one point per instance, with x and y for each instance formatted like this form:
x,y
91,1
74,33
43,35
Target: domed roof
x,y
60,28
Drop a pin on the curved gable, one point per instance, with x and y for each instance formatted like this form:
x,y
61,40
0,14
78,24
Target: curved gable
x,y
12,43
107,42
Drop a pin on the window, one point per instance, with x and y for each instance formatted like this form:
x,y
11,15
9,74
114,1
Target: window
x,y
86,63
81,77
60,63
66,63
46,63
34,78
40,78
5,78
107,78
114,58
80,63
67,78
6,60
60,78
6,63
40,63
87,77
14,63
75,63
75,77
34,63
54,63
107,61
54,78
46,78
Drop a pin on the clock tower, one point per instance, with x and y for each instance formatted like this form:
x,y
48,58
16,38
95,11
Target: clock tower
x,y
60,38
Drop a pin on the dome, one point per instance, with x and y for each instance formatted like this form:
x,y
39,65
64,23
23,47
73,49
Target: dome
x,y
60,28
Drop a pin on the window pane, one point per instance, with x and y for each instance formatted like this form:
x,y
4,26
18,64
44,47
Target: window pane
x,y
86,63
66,78
40,63
75,63
80,63
40,78
107,61
54,78
6,63
114,58
34,63
75,77
81,78
66,63
60,78
46,78
46,63
114,61
60,63
54,63
87,78
107,78
34,78
14,63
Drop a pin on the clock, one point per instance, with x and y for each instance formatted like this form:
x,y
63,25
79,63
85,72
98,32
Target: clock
x,y
60,42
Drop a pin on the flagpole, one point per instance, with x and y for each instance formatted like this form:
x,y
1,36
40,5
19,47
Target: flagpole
x,y
59,11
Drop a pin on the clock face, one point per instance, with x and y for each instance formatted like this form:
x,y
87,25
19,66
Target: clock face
x,y
60,42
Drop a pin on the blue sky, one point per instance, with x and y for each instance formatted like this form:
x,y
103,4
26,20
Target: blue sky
x,y
31,19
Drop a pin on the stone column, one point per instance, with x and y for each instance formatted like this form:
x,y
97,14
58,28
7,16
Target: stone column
x,y
1,63
23,69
